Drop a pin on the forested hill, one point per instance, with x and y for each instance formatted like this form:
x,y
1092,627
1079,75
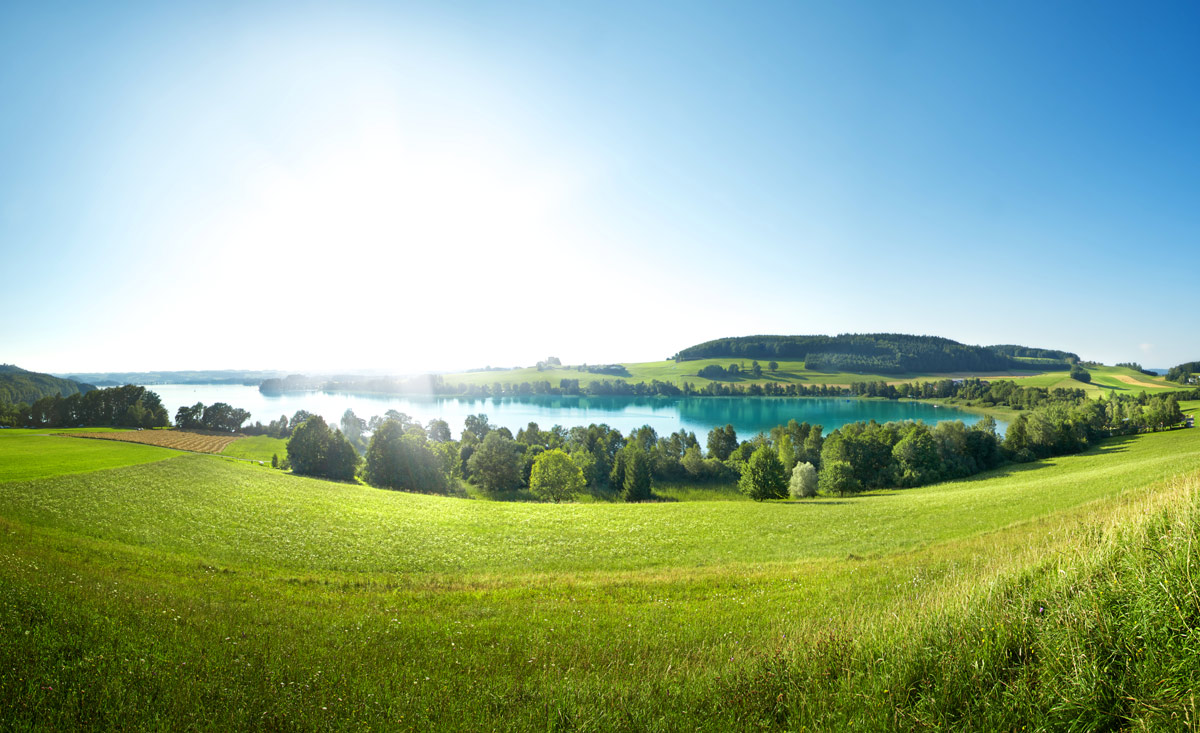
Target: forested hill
x,y
1184,373
1027,352
876,353
18,385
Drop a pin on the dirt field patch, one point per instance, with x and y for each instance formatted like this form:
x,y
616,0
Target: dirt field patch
x,y
177,439
1129,379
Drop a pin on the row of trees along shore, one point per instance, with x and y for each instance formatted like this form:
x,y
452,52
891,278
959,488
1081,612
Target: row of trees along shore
x,y
395,451
128,406
795,459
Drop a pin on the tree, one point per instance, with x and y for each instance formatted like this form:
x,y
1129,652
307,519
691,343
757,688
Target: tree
x,y
477,426
299,417
637,477
756,369
773,366
438,430
764,477
804,481
786,449
838,477
1080,374
917,459
555,477
188,418
693,462
402,460
315,450
722,442
496,463
353,427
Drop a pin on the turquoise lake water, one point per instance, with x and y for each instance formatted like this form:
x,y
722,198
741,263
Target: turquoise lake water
x,y
748,415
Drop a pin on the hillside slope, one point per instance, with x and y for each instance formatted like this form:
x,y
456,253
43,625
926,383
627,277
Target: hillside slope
x,y
19,385
198,592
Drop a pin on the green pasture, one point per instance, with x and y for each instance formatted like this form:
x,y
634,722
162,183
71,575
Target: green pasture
x,y
201,593
221,511
32,454
1105,379
687,371
257,448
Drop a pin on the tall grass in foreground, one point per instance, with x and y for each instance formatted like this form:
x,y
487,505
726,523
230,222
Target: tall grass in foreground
x,y
189,612
1103,633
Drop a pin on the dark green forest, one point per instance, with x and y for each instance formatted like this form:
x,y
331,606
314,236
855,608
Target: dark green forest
x,y
879,353
1184,373
19,385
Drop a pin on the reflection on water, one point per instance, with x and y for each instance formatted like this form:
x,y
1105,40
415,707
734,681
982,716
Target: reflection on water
x,y
748,415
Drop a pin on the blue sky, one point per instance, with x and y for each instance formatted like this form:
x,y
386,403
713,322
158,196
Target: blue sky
x,y
419,186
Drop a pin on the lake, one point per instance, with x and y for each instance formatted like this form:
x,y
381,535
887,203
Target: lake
x,y
748,415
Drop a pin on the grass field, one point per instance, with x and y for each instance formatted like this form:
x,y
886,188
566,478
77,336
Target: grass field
x,y
195,592
257,448
31,454
1104,378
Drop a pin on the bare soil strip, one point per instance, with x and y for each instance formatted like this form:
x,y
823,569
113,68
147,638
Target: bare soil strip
x,y
1129,379
188,440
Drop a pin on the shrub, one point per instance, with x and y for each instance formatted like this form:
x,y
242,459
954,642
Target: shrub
x,y
804,481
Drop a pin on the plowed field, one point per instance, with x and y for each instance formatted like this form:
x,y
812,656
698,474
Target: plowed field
x,y
176,439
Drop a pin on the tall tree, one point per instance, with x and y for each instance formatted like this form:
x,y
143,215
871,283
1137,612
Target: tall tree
x,y
496,464
555,477
638,486
764,476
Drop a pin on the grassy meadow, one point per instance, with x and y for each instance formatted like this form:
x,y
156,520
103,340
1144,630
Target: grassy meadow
x,y
1104,378
257,448
188,591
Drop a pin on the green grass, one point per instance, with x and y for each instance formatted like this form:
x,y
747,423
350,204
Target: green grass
x,y
678,373
257,448
1105,379
192,504
31,454
198,592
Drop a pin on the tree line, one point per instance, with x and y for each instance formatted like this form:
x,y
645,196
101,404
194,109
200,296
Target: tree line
x,y
1187,373
217,416
881,353
128,406
795,459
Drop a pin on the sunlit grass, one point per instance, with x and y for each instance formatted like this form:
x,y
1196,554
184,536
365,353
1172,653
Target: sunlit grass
x,y
29,454
206,593
257,448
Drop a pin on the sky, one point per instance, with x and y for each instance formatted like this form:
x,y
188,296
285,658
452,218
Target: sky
x,y
437,186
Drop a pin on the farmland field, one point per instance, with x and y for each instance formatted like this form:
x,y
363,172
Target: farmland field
x,y
1104,378
256,448
686,371
194,592
188,440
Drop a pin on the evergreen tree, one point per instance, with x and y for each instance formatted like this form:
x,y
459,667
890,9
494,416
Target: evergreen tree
x,y
637,477
764,476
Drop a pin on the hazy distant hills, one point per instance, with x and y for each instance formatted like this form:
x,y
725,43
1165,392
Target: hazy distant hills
x,y
211,376
20,385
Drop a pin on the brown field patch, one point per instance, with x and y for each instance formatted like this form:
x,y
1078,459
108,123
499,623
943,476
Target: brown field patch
x,y
188,440
1130,379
